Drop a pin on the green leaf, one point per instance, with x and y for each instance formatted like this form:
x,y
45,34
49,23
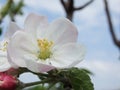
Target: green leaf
x,y
87,71
80,80
67,79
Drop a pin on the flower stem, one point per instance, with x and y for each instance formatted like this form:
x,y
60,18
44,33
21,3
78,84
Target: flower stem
x,y
24,85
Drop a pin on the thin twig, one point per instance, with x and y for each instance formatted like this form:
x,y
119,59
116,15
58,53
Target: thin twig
x,y
70,8
117,42
24,85
85,5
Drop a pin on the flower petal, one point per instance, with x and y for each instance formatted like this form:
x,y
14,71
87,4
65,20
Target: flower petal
x,y
36,66
20,45
11,62
4,65
11,30
34,21
68,55
41,31
62,31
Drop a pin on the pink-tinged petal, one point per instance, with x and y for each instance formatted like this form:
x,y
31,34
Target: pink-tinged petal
x,y
11,30
20,45
33,22
62,31
68,55
37,66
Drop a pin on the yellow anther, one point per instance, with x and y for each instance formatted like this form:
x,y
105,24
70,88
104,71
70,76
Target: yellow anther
x,y
45,47
4,46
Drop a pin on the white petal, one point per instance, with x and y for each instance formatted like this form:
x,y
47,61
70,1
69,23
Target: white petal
x,y
34,21
62,31
11,62
68,55
20,45
36,66
4,65
11,30
41,31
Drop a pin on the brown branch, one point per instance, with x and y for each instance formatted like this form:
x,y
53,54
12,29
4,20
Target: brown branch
x,y
63,3
70,8
117,42
85,5
67,5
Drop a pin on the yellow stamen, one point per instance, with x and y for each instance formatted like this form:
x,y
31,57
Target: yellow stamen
x,y
4,46
45,47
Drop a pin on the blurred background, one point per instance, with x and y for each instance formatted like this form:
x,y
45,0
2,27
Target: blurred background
x,y
98,23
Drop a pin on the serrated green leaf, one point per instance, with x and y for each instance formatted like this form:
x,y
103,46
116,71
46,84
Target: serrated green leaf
x,y
80,80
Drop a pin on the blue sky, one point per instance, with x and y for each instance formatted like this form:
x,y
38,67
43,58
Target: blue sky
x,y
102,56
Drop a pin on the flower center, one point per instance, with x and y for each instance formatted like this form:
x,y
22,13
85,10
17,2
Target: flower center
x,y
4,46
45,47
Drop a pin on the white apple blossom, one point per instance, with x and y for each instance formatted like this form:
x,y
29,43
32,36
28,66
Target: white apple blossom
x,y
43,46
4,64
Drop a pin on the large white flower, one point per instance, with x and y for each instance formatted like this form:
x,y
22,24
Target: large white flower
x,y
4,64
43,46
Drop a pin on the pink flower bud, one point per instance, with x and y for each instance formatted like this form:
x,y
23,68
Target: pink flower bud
x,y
7,82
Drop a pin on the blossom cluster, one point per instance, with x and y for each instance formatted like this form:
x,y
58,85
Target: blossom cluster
x,y
40,46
